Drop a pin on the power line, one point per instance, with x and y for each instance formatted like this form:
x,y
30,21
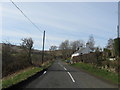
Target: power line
x,y
26,16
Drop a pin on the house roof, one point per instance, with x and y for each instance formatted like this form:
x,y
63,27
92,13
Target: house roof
x,y
82,51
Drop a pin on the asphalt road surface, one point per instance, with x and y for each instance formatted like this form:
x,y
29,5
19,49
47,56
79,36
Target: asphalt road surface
x,y
61,75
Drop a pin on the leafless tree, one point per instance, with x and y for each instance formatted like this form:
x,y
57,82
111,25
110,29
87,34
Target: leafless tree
x,y
53,51
76,45
91,42
53,48
27,44
65,49
110,43
64,45
98,56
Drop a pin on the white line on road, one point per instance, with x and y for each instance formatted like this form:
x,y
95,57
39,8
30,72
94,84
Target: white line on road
x,y
71,77
67,72
45,72
60,64
64,68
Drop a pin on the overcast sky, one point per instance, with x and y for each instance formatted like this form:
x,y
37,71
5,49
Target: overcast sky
x,y
61,21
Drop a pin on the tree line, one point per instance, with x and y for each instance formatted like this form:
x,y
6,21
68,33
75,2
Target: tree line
x,y
69,47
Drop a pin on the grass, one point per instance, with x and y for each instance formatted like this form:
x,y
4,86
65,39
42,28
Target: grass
x,y
15,78
22,75
113,77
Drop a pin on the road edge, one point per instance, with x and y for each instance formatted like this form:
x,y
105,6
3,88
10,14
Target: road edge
x,y
21,85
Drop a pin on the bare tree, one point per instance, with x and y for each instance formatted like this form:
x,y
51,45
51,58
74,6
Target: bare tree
x,y
27,44
76,45
53,51
98,56
110,44
53,48
65,49
64,45
91,42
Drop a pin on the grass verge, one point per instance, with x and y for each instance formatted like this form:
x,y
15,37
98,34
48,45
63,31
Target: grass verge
x,y
113,77
18,77
22,75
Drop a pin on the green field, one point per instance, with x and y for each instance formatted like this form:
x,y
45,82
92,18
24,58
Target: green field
x,y
113,77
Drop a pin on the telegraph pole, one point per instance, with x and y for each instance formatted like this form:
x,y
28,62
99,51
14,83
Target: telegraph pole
x,y
118,40
118,30
43,47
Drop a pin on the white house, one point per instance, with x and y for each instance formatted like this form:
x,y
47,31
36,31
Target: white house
x,y
82,51
75,54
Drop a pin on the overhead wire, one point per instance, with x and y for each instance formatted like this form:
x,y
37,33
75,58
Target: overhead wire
x,y
26,16
29,19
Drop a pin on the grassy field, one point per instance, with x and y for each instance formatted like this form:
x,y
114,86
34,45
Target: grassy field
x,y
22,75
113,77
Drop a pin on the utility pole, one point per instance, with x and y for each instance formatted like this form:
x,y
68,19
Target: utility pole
x,y
43,47
118,30
118,40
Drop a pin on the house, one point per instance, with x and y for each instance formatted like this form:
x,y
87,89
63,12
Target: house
x,y
84,50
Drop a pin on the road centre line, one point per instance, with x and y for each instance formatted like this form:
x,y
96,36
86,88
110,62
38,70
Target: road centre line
x,y
60,65
64,68
71,77
68,73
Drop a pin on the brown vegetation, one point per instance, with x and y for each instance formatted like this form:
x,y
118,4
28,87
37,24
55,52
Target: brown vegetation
x,y
99,61
15,58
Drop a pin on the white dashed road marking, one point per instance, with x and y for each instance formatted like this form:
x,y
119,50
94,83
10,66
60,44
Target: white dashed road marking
x,y
45,72
64,68
68,72
60,65
71,77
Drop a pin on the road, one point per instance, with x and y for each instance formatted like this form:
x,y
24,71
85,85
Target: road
x,y
61,75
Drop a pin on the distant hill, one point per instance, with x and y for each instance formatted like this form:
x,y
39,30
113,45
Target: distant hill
x,y
16,48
